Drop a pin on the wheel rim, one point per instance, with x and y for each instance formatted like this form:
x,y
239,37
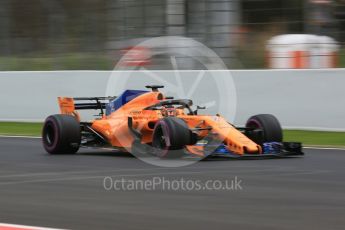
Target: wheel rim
x,y
160,143
254,124
50,136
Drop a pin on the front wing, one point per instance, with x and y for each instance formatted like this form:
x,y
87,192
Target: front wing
x,y
270,150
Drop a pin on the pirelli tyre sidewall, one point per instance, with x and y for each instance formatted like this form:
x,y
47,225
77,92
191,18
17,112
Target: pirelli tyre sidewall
x,y
270,126
61,134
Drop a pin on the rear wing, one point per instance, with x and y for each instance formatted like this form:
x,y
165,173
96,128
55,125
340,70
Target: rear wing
x,y
68,106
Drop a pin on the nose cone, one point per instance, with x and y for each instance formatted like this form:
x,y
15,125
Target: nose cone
x,y
253,149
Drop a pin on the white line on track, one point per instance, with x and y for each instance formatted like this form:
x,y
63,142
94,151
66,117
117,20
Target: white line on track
x,y
324,148
27,137
23,227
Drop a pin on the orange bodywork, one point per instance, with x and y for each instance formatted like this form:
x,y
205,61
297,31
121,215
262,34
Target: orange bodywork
x,y
67,107
114,127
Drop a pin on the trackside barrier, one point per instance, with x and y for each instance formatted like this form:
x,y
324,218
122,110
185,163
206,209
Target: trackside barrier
x,y
301,99
302,51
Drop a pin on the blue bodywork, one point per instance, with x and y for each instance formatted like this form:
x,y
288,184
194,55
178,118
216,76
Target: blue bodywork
x,y
123,99
272,147
268,148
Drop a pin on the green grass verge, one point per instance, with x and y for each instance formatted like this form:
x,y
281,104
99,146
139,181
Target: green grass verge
x,y
20,128
315,138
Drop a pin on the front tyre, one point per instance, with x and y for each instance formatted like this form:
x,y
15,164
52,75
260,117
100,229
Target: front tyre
x,y
269,127
170,136
61,134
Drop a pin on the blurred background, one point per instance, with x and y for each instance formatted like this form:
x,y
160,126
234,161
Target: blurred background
x,y
93,34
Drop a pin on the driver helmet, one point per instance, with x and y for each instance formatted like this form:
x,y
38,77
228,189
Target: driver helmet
x,y
169,111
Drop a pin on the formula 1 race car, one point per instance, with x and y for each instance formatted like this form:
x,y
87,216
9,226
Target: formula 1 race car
x,y
150,123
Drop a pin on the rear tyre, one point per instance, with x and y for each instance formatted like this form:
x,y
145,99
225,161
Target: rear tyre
x,y
170,136
269,125
61,134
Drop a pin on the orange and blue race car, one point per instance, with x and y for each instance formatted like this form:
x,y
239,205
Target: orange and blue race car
x,y
146,122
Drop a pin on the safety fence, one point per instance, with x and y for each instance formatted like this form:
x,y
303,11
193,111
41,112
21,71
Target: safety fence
x,y
301,99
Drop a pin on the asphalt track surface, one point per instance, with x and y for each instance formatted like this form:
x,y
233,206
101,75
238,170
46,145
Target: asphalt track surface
x,y
66,191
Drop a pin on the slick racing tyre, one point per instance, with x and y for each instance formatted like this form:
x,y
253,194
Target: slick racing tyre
x,y
61,134
264,128
170,136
